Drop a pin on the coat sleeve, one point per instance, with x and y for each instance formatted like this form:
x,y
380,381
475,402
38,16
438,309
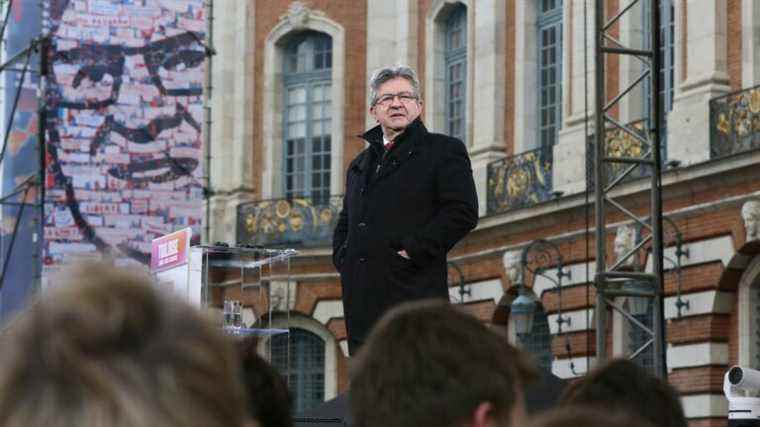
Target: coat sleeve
x,y
340,234
457,210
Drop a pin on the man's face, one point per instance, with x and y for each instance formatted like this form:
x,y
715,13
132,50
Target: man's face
x,y
126,98
396,112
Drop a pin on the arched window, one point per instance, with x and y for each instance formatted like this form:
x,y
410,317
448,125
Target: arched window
x,y
549,23
455,58
305,373
637,336
538,341
754,324
307,78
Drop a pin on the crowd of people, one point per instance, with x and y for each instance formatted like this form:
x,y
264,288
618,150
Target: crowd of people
x,y
110,349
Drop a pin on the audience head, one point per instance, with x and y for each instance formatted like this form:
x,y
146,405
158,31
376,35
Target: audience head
x,y
587,416
623,385
269,401
428,364
107,349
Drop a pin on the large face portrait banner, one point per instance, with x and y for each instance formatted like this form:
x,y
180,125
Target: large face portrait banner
x,y
124,111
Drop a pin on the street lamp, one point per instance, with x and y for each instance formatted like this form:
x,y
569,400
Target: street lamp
x,y
522,311
523,308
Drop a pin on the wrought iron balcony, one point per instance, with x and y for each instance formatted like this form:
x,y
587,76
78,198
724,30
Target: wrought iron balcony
x,y
519,181
619,143
735,123
296,222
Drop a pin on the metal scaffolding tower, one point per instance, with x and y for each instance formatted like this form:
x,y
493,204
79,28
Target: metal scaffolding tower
x,y
32,186
613,281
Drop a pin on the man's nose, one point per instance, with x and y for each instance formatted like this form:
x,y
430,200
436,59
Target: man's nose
x,y
396,101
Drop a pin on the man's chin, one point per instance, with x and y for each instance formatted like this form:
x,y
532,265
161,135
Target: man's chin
x,y
399,125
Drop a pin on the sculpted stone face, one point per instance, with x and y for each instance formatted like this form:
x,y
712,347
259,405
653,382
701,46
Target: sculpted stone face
x,y
512,267
751,219
625,239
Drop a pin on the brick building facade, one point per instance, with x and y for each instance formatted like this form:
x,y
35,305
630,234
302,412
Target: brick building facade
x,y
513,79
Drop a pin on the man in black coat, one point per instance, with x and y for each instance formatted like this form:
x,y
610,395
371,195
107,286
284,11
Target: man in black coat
x,y
409,198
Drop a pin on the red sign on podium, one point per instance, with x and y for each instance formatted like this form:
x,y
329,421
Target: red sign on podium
x,y
171,250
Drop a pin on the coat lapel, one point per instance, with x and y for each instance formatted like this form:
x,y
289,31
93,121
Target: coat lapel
x,y
406,146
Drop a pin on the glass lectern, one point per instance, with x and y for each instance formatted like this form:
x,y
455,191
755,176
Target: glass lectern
x,y
251,286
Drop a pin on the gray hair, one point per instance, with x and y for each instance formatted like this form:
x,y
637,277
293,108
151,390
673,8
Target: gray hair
x,y
384,74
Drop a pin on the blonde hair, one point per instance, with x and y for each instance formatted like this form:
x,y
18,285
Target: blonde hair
x,y
107,349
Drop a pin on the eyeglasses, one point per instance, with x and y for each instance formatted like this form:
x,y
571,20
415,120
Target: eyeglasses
x,y
105,66
387,99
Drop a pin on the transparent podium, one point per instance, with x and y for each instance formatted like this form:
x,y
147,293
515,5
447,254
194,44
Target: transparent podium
x,y
251,286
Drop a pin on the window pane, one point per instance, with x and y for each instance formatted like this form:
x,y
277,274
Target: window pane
x,y
306,371
297,95
297,130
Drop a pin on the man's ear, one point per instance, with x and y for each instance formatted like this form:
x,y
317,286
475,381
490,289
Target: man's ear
x,y
482,416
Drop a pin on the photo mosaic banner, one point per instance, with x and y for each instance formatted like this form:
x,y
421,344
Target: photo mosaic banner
x,y
21,162
125,107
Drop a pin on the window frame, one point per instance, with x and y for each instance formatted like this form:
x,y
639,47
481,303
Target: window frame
x,y
667,90
309,79
456,21
545,21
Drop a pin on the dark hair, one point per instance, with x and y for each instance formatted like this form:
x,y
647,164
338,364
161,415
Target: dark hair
x,y
428,364
269,401
587,416
108,349
622,384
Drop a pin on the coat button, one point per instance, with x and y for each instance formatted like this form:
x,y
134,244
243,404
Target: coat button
x,y
362,259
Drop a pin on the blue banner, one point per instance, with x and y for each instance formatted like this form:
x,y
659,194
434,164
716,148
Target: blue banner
x,y
21,162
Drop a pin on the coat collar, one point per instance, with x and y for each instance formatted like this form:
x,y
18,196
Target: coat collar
x,y
415,130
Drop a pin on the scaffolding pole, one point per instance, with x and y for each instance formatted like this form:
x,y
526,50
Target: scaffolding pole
x,y
36,46
610,281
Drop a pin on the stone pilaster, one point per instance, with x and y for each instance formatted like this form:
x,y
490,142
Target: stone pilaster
x,y
391,36
489,50
569,175
706,78
231,127
750,43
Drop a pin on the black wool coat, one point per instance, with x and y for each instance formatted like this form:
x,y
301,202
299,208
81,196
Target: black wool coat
x,y
420,197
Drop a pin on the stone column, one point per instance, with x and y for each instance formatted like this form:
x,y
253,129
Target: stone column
x,y
706,77
526,79
489,50
577,86
750,43
391,36
231,104
632,35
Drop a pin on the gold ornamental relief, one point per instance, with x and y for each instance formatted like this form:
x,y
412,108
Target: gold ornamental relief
x,y
518,183
754,100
